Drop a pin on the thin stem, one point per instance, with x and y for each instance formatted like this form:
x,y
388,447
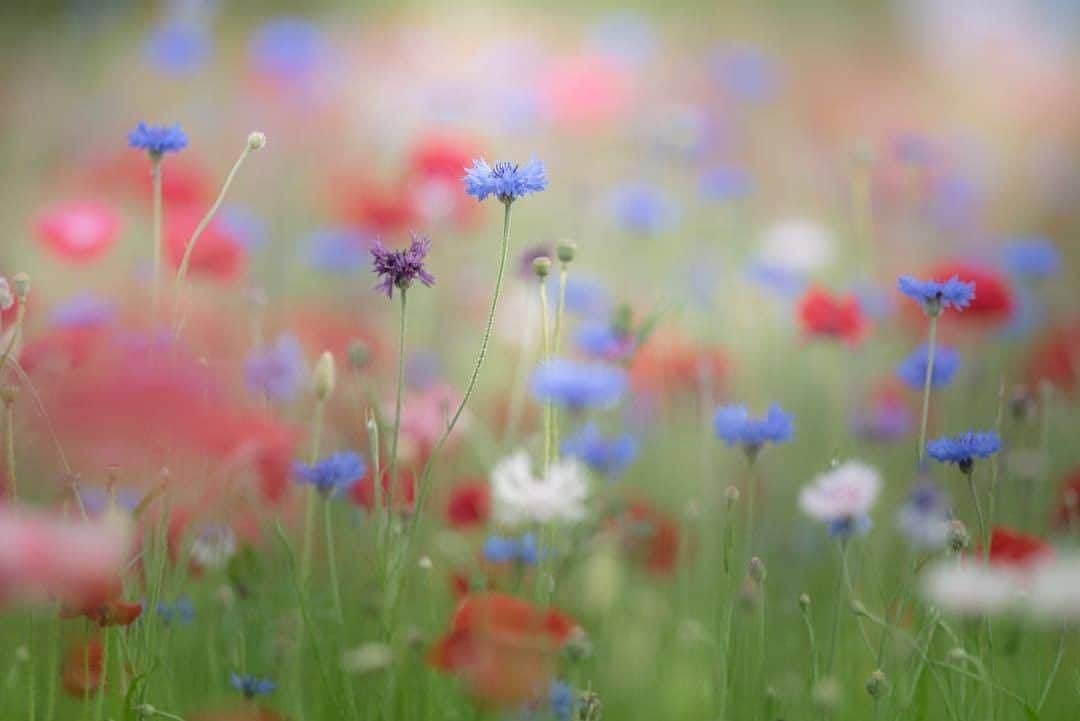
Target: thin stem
x,y
926,388
155,279
546,346
559,312
983,539
9,433
839,604
335,586
185,261
813,647
392,475
310,500
1053,671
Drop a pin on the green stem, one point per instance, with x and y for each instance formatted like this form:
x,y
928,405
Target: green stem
x,y
546,346
1053,671
559,312
9,433
392,475
155,279
926,388
310,500
32,685
335,586
839,596
983,539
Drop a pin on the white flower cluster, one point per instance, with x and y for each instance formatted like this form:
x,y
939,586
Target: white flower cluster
x,y
1048,590
520,497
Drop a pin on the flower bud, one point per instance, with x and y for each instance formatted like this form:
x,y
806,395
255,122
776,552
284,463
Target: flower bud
x,y
877,685
826,694
804,602
8,394
20,283
756,569
589,708
859,608
731,497
565,251
957,537
323,377
542,266
256,140
359,354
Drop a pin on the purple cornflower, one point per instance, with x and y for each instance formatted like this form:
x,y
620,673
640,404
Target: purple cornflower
x,y
576,385
936,296
504,549
251,686
158,139
642,209
734,426
912,370
964,448
279,371
609,456
84,310
1032,258
506,181
604,342
399,268
177,48
336,472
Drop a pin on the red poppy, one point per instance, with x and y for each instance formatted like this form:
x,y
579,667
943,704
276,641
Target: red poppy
x,y
669,362
363,493
382,209
585,91
61,350
217,253
113,612
441,157
1011,548
78,231
1056,359
1068,504
822,314
185,181
502,647
469,505
82,667
649,537
993,301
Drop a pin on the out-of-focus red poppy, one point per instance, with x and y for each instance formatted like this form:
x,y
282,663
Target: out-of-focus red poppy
x,y
79,231
1067,511
668,362
81,669
648,537
993,301
383,209
1015,549
440,156
325,328
113,612
185,180
1056,359
502,647
585,91
469,504
61,350
822,314
363,493
217,254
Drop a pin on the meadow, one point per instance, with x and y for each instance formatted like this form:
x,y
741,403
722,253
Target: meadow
x,y
546,363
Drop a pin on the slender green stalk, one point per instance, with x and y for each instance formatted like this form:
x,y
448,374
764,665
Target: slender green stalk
x,y
926,387
983,538
546,346
32,685
9,445
185,260
392,475
54,653
99,712
335,585
560,310
838,597
155,279
805,612
1053,671
311,500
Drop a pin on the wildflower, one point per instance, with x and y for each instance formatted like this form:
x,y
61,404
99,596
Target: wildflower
x,y
528,257
279,371
925,518
82,667
220,253
180,610
936,296
110,611
337,251
157,139
335,473
886,416
212,548
78,231
992,297
912,370
287,49
1055,359
648,537
502,647
1068,504
251,686
963,449
586,297
469,505
725,182
177,48
969,589
1032,257
506,181
561,700
82,311
796,247
734,426
840,317
642,209
519,497
399,268
363,493
842,497
1009,548
604,342
609,456
745,72
504,549
576,385
7,298
1054,590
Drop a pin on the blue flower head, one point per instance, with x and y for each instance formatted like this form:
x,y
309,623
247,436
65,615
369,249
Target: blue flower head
x,y
84,310
158,139
746,72
336,250
587,297
733,425
503,549
963,449
725,182
278,371
936,296
850,526
912,370
251,686
177,48
400,268
561,700
609,456
288,49
1032,257
506,181
924,518
642,209
604,342
181,610
576,385
337,472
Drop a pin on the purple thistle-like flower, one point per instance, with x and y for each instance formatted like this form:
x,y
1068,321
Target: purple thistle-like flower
x,y
936,296
399,268
506,181
158,139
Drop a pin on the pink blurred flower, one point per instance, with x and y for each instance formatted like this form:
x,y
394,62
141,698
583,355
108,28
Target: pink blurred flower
x,y
78,231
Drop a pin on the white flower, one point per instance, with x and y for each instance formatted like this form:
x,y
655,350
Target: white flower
x,y
970,589
519,497
1054,593
844,493
214,547
7,299
798,246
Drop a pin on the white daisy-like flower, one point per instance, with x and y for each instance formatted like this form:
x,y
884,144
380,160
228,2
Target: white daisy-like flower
x,y
842,496
798,246
1054,591
520,497
213,547
972,589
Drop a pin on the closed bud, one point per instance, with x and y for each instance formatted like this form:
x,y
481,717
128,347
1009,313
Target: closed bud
x,y
359,354
877,685
731,497
749,594
256,140
565,251
859,609
20,283
542,266
804,602
756,569
826,694
8,394
589,708
323,377
957,537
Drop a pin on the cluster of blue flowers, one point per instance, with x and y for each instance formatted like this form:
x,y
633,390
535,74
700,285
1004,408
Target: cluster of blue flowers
x,y
734,426
577,386
935,296
157,139
251,686
333,474
505,549
608,456
912,370
181,611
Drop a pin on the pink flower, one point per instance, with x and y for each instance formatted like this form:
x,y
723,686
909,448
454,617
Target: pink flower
x,y
78,231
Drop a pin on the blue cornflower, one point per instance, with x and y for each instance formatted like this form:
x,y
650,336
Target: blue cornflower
x,y
577,385
561,700
240,223
924,518
503,549
785,283
936,296
399,268
251,686
288,49
177,48
849,526
84,310
335,250
158,139
95,501
912,370
181,610
963,449
423,369
278,371
506,181
609,456
586,297
745,72
734,426
603,341
642,209
725,182
337,472
1032,257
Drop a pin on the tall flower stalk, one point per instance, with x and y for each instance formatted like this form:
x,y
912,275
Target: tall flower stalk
x,y
542,268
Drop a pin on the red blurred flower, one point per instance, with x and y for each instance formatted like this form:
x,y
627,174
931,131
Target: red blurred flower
x,y
1011,548
1056,359
993,301
82,666
585,91
649,537
61,350
78,231
1067,511
469,505
668,362
185,181
363,493
382,209
502,647
437,156
113,612
822,314
216,254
